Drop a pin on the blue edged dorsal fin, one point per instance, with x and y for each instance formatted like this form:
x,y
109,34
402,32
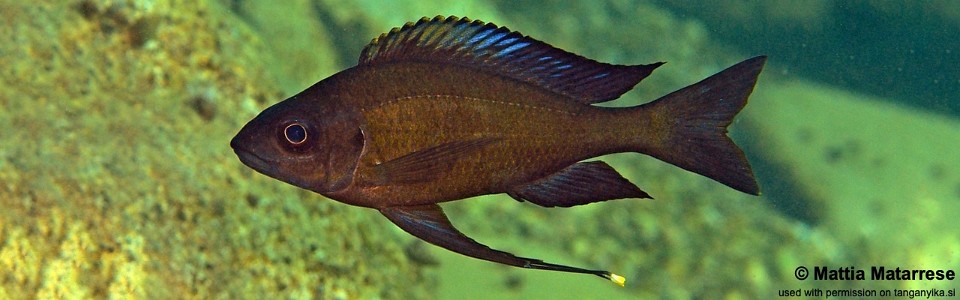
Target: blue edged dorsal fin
x,y
489,48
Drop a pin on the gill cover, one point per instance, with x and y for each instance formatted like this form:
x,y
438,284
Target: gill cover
x,y
341,144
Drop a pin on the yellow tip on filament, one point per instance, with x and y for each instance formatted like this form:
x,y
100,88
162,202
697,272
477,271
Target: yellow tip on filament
x,y
619,280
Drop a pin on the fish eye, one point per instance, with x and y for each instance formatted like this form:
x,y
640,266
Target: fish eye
x,y
295,133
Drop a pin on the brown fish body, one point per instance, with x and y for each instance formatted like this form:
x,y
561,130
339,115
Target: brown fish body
x,y
447,109
414,106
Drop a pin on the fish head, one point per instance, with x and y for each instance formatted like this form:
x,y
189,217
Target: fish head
x,y
310,142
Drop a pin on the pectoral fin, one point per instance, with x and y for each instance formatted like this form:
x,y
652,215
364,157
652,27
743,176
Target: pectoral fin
x,y
578,184
429,223
427,164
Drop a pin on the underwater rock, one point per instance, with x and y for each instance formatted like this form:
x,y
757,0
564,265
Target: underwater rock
x,y
300,48
117,180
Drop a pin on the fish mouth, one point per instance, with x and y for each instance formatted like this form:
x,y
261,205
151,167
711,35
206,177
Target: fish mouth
x,y
250,159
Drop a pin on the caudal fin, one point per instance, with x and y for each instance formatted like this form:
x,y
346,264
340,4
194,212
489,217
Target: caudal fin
x,y
693,134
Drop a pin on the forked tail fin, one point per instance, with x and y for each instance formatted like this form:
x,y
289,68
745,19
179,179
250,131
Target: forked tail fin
x,y
693,128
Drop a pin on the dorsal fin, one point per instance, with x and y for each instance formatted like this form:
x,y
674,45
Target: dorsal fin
x,y
489,48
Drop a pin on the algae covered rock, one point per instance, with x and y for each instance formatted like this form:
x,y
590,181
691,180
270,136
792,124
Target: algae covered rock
x,y
116,178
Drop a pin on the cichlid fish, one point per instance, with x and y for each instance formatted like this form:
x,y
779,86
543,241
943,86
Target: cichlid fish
x,y
448,108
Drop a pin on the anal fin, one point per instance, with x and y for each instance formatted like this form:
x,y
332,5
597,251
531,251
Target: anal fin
x,y
578,184
429,223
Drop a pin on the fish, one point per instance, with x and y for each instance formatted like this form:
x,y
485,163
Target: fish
x,y
449,108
